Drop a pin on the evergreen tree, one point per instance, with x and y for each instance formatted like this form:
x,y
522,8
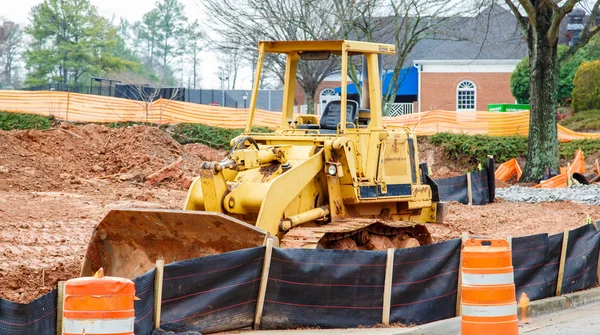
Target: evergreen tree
x,y
70,40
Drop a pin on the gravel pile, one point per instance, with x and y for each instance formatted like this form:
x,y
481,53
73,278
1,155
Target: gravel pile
x,y
585,194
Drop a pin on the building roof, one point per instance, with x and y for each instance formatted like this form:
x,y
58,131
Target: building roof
x,y
493,34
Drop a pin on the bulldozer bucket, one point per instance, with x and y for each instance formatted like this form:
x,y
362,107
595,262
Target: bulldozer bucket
x,y
127,243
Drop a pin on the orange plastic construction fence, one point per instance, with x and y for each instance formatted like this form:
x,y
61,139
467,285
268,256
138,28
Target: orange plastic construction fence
x,y
93,108
99,306
508,169
472,123
562,180
488,301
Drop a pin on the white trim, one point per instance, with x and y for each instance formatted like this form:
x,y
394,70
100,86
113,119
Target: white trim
x,y
489,311
419,70
468,66
467,89
98,326
489,279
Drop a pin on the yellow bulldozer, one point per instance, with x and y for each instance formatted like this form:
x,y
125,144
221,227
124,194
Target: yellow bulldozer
x,y
338,181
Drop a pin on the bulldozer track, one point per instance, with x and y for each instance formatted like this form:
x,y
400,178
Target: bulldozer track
x,y
311,237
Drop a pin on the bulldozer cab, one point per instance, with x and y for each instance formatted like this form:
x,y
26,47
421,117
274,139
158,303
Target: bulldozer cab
x,y
333,122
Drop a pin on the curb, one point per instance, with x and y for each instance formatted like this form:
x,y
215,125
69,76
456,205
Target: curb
x,y
557,304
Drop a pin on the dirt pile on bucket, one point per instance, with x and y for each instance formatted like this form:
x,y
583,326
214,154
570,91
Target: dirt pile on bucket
x,y
67,156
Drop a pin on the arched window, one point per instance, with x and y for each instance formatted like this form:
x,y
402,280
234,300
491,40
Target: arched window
x,y
328,94
466,96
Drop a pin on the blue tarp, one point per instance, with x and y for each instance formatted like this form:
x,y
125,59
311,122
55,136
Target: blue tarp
x,y
408,79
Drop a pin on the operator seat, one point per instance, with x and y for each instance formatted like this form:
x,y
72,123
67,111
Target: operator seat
x,y
331,116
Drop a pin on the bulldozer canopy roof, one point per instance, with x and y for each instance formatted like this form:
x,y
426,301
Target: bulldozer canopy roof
x,y
353,47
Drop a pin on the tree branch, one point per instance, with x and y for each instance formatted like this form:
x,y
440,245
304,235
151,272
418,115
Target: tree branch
x,y
520,19
589,31
529,8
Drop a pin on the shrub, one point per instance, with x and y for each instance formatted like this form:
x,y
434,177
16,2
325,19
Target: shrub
x,y
584,121
586,93
519,79
10,121
474,149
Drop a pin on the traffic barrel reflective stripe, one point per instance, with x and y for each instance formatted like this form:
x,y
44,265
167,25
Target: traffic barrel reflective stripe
x,y
99,306
488,301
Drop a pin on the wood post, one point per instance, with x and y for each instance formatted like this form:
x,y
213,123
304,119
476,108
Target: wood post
x,y
464,236
387,287
60,303
158,288
260,302
561,267
469,189
68,100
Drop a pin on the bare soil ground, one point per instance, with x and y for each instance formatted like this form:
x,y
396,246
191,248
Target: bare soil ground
x,y
56,185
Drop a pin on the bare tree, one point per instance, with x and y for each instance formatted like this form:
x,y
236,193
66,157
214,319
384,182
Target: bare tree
x,y
192,48
403,23
144,93
11,42
255,20
540,21
231,58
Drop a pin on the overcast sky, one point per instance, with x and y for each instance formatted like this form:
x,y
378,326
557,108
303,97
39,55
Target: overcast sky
x,y
133,10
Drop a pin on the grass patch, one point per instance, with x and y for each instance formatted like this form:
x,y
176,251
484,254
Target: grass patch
x,y
214,137
474,149
12,121
585,121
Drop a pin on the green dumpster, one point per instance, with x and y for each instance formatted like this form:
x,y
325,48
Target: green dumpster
x,y
507,107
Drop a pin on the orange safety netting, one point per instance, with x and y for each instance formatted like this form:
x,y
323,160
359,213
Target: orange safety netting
x,y
472,123
562,180
93,108
507,170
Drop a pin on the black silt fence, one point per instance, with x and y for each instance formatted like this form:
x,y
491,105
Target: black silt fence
x,y
480,187
37,317
425,282
324,288
213,293
553,262
530,256
582,259
482,184
536,262
453,189
144,307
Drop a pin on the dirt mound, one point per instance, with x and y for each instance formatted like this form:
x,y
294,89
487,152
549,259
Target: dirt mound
x,y
436,159
60,157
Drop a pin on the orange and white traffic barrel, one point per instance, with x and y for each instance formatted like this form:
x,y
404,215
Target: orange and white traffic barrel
x,y
488,301
102,305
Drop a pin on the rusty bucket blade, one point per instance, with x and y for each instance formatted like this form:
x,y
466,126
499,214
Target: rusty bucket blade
x,y
127,243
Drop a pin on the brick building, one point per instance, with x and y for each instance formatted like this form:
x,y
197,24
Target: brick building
x,y
463,85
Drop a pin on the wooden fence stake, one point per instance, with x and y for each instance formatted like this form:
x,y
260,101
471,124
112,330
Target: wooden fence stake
x,y
464,237
60,304
260,302
68,100
561,267
469,190
387,287
158,288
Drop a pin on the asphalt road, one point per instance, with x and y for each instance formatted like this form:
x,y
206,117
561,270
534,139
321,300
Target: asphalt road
x,y
579,321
